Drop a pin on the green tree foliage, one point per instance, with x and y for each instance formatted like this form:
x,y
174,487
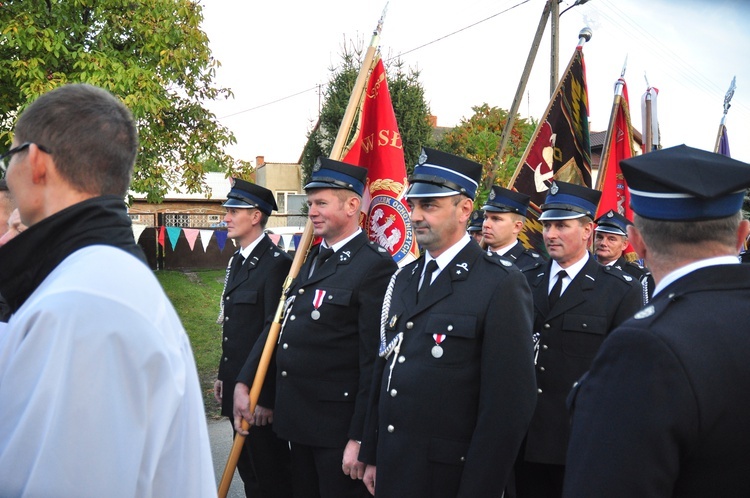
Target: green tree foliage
x,y
409,105
478,138
153,55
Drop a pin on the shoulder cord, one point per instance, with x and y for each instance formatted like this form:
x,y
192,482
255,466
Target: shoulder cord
x,y
386,350
220,319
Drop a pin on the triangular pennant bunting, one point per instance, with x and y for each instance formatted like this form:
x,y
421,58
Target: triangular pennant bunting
x,y
206,238
174,234
191,234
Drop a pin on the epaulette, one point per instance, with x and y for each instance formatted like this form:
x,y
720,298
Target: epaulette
x,y
621,275
538,264
642,269
375,247
500,261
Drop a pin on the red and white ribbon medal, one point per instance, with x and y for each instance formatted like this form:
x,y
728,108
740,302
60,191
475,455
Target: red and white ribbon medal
x,y
437,350
317,301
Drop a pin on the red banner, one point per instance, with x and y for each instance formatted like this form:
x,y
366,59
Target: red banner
x,y
615,193
378,148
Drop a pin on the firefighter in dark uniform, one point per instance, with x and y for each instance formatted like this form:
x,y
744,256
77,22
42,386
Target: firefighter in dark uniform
x,y
504,217
664,410
577,302
610,242
475,225
454,385
255,275
329,340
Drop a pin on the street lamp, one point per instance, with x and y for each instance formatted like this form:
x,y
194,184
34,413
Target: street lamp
x,y
555,34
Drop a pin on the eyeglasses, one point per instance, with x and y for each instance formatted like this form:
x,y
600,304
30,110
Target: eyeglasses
x,y
5,158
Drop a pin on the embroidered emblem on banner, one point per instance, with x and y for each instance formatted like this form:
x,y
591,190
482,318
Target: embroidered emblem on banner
x,y
389,225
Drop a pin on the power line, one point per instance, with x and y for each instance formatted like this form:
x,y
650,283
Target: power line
x,y
401,54
460,30
270,103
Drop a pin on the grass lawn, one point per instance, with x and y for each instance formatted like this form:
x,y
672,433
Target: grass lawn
x,y
195,295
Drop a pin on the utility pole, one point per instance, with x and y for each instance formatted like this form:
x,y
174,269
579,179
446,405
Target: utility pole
x,y
554,23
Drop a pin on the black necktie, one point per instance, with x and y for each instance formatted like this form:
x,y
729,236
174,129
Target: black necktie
x,y
554,294
236,265
323,254
427,278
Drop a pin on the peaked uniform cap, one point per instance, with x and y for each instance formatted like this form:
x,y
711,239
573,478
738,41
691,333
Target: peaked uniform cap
x,y
328,173
244,194
613,222
503,200
685,184
567,201
440,174
476,221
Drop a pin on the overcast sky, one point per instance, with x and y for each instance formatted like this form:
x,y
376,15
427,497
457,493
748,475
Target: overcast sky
x,y
275,56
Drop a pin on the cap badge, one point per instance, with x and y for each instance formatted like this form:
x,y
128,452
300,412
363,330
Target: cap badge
x,y
475,215
611,214
318,164
492,195
422,157
554,189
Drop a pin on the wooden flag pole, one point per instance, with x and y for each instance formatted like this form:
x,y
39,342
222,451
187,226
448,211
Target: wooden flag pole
x,y
299,258
607,147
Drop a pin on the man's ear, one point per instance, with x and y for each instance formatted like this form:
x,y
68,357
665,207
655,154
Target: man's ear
x,y
40,163
636,240
466,207
353,204
742,232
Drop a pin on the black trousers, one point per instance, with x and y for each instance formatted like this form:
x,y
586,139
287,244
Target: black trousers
x,y
317,473
539,480
265,464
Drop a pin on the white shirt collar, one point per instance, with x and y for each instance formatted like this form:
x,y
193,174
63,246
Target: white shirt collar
x,y
447,255
571,270
341,243
246,251
689,268
505,249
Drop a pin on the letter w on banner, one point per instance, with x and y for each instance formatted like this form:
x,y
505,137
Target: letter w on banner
x,y
558,150
377,147
618,146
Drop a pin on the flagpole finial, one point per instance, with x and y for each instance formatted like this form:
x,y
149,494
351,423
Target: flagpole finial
x,y
586,34
379,28
729,95
624,67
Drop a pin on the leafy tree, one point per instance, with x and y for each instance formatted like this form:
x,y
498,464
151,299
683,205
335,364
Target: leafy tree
x,y
153,55
478,138
409,105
